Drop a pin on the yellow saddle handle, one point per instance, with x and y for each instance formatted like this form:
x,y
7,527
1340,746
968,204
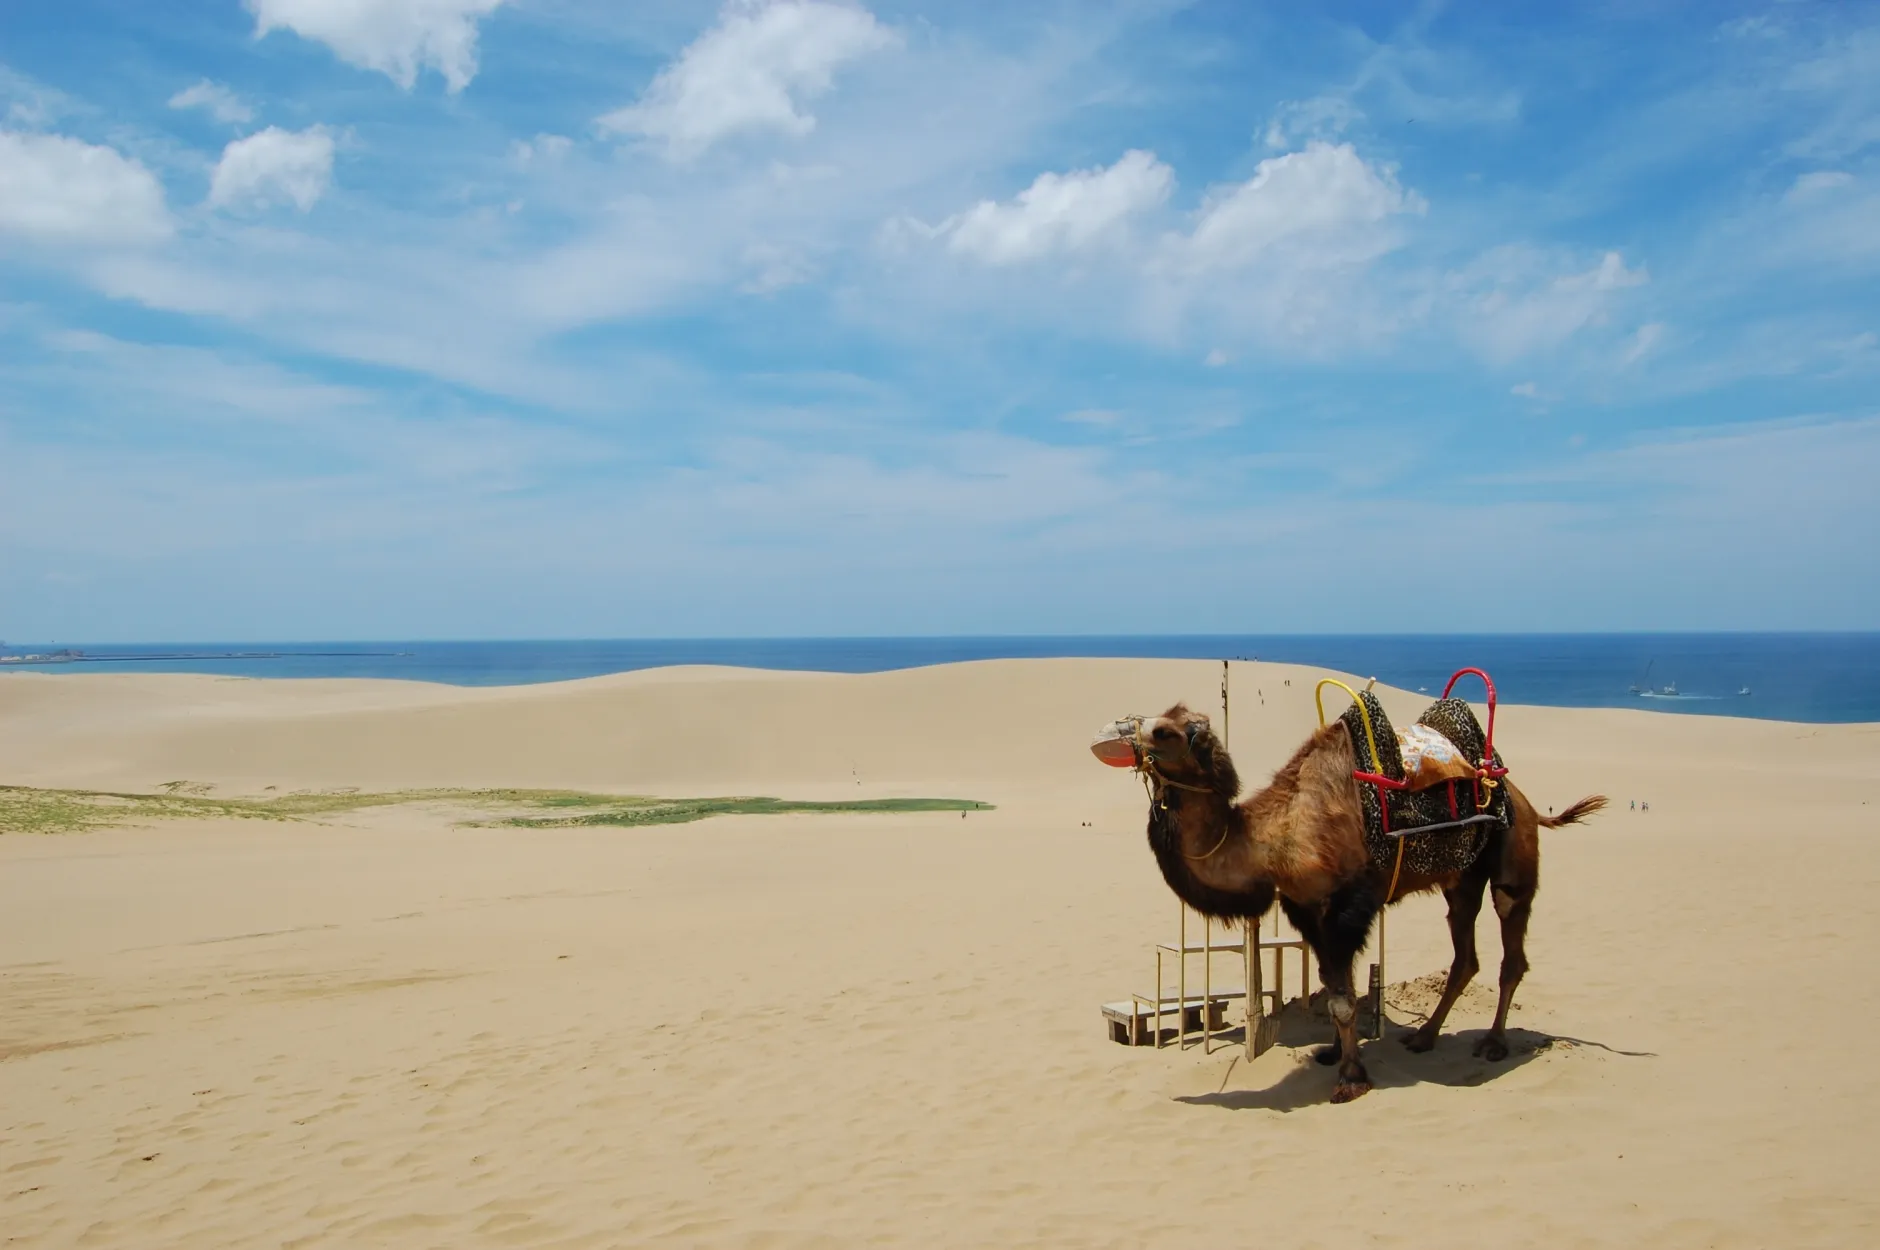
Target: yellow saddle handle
x,y
1370,737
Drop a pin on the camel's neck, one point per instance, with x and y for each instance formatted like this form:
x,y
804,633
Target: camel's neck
x,y
1209,853
1298,836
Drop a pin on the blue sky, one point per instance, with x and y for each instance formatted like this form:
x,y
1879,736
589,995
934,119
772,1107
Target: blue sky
x,y
535,318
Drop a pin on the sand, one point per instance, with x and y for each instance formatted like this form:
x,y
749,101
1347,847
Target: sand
x,y
384,1029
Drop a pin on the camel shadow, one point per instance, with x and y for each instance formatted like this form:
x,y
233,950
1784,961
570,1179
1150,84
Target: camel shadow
x,y
1392,1066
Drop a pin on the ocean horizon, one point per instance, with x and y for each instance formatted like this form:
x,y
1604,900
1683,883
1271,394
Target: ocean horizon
x,y
1819,678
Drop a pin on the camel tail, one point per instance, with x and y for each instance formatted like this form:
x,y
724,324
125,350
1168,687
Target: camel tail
x,y
1575,814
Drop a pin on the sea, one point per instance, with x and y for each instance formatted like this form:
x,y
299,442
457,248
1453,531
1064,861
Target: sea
x,y
1811,677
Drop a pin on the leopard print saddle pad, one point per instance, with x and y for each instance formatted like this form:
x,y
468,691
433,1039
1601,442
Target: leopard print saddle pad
x,y
1442,827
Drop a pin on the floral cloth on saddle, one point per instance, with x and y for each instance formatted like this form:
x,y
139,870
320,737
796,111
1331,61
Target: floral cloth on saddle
x,y
1430,759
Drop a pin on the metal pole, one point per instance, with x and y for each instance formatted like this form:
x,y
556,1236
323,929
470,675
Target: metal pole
x,y
1207,940
1224,723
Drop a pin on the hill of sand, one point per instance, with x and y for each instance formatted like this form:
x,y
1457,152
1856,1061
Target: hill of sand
x,y
384,1028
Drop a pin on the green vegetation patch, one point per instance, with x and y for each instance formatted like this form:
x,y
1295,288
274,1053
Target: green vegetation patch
x,y
24,809
680,811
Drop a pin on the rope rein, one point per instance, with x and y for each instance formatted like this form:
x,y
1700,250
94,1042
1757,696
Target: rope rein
x,y
1155,783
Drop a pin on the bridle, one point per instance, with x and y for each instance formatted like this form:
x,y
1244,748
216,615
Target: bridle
x,y
1157,783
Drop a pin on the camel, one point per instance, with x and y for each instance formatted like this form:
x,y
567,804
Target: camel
x,y
1301,839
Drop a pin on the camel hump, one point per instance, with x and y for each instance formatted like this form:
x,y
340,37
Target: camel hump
x,y
1455,720
1369,727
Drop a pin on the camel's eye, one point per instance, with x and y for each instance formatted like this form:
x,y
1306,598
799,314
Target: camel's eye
x,y
1162,733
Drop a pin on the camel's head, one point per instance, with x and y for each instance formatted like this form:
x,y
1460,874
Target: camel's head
x,y
1179,744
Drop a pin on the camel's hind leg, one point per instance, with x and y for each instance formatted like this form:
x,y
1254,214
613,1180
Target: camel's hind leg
x,y
1514,908
1465,904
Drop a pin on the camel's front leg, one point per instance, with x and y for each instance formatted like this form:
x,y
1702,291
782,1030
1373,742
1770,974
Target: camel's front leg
x,y
1306,919
1342,1005
1514,908
1337,933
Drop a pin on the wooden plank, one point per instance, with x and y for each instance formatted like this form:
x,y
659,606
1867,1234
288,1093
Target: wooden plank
x,y
1169,1005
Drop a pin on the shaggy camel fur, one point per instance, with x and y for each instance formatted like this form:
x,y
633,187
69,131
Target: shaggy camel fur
x,y
1302,839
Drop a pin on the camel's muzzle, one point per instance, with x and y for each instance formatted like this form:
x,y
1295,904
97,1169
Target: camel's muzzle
x,y
1120,743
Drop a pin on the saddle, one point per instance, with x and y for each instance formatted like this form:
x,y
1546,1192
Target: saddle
x,y
1434,811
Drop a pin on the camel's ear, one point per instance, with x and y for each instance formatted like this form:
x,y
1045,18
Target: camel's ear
x,y
1201,743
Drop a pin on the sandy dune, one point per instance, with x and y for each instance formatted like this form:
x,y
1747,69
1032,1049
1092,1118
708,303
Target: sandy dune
x,y
812,1030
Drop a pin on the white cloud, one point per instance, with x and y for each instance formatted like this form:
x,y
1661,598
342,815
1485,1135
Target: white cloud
x,y
274,166
1323,206
220,103
1285,255
1817,183
749,73
1828,217
542,149
1094,416
774,268
1841,81
469,295
1528,306
398,38
1061,212
58,189
1759,26
1215,358
1644,341
1321,117
31,104
1534,393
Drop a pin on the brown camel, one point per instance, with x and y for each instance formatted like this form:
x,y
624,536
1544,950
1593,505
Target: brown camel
x,y
1302,839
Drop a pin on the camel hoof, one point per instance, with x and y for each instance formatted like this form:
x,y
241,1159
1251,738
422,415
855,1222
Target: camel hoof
x,y
1346,1091
1328,1054
1418,1041
1493,1049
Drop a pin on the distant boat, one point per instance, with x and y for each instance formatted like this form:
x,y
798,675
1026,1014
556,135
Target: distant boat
x,y
1644,689
1744,690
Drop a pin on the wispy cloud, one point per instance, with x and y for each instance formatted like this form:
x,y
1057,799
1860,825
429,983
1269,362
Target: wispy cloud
x,y
216,100
1643,341
1516,301
31,104
542,149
